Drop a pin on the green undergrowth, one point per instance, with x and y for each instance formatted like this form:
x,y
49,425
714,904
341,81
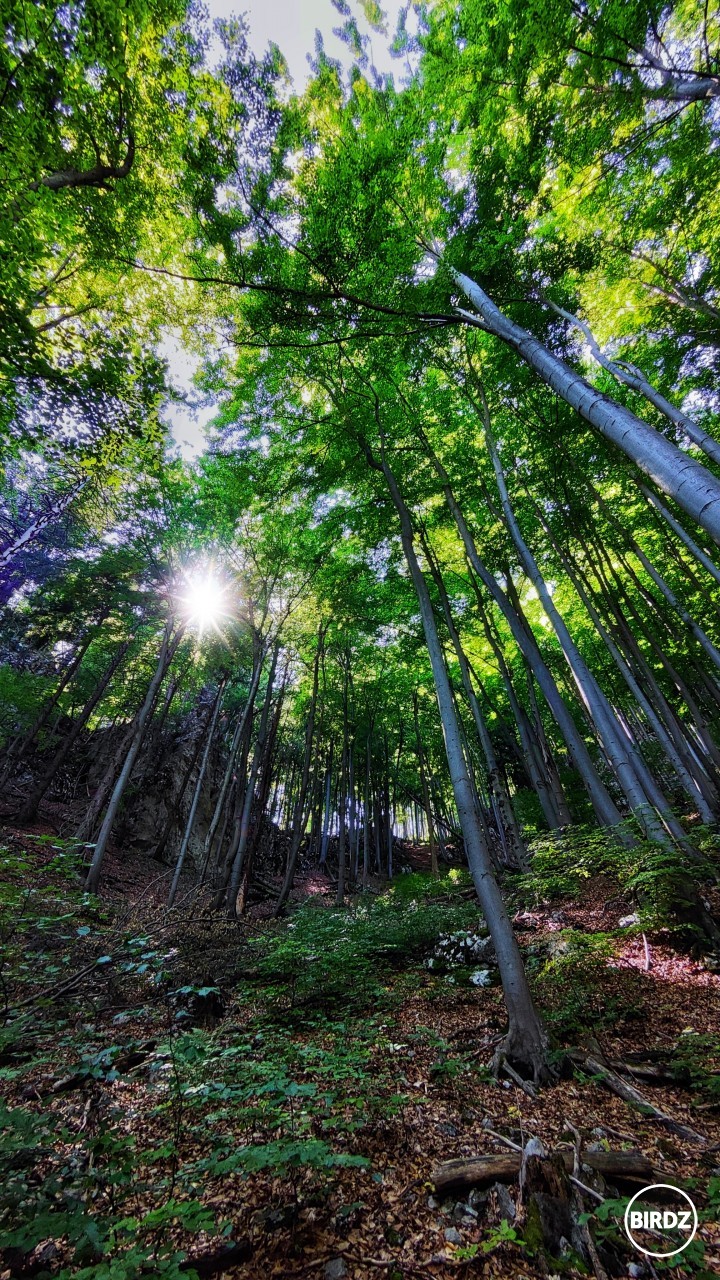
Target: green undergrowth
x,y
654,876
146,1073
570,984
332,959
127,1109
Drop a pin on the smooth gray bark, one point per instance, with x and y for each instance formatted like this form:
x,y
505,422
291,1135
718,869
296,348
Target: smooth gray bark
x,y
300,815
634,378
30,808
196,798
505,815
525,1043
244,827
602,802
167,653
621,755
235,747
685,778
701,556
21,744
690,484
40,523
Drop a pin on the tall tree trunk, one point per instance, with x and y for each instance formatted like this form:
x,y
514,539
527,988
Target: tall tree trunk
x,y
601,799
352,820
266,770
328,810
525,1044
22,743
425,789
690,484
175,805
634,777
239,737
537,756
707,742
669,595
90,819
40,522
196,796
505,815
240,838
366,815
30,808
299,817
342,858
687,781
633,377
701,556
167,653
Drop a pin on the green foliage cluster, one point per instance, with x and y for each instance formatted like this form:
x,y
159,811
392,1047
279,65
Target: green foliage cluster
x,y
654,876
571,985
333,959
286,1096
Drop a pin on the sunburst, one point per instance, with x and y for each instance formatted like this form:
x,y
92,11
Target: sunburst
x,y
205,599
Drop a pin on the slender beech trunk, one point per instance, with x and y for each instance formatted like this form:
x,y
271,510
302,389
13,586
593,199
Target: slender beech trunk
x,y
537,756
326,816
196,796
352,818
167,653
690,484
30,808
342,859
633,377
40,523
703,640
316,809
240,838
686,780
90,819
525,1043
22,743
425,789
643,795
602,802
175,804
366,815
701,556
239,737
707,742
266,770
505,815
172,688
300,815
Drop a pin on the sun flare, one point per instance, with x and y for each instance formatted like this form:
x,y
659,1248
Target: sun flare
x,y
205,600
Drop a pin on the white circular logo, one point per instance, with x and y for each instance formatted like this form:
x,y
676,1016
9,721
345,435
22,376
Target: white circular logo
x,y
652,1220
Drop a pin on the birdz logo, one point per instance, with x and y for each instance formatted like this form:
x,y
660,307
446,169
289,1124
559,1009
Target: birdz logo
x,y
661,1220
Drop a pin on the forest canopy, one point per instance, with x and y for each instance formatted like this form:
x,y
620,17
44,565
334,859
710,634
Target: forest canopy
x,y
440,594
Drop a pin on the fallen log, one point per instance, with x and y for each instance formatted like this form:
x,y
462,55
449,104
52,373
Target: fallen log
x,y
629,1094
477,1171
653,1072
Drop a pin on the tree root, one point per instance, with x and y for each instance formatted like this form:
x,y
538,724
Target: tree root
x,y
525,1061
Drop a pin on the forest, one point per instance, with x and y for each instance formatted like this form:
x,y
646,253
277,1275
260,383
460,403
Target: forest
x,y
360,803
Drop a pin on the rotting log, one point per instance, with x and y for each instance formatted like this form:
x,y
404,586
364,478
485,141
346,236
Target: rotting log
x,y
546,1193
631,1095
477,1171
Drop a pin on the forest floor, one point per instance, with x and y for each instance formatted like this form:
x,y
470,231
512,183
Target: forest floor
x,y
271,1098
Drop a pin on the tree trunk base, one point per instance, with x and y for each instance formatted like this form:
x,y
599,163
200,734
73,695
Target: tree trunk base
x,y
523,1053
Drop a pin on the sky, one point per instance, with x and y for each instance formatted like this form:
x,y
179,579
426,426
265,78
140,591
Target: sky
x,y
291,24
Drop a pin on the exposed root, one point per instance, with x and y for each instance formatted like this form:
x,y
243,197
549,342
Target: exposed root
x,y
524,1058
